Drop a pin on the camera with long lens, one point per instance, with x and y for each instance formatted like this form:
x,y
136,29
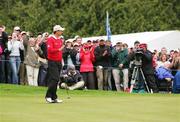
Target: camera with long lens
x,y
138,57
6,51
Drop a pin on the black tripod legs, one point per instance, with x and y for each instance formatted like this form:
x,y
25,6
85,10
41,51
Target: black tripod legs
x,y
137,73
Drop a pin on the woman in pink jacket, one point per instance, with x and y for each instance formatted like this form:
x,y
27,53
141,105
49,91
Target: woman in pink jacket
x,y
86,68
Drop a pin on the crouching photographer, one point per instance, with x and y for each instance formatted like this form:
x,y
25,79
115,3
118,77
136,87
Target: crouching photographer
x,y
71,79
143,59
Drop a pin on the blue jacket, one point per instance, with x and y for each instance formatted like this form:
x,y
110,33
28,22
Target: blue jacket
x,y
162,73
176,83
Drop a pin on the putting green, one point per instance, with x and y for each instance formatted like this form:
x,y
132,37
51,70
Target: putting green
x,y
27,104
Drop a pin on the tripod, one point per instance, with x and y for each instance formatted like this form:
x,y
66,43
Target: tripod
x,y
137,71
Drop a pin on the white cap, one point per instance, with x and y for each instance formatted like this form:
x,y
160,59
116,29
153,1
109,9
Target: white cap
x,y
62,37
58,28
69,40
76,37
75,44
16,28
23,32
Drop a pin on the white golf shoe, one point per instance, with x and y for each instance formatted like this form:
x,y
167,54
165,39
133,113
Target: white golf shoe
x,y
49,100
58,101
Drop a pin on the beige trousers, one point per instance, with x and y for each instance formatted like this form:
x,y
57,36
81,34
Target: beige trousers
x,y
118,79
32,75
78,85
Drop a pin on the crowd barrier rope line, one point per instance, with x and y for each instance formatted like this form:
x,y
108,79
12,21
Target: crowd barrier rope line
x,y
89,66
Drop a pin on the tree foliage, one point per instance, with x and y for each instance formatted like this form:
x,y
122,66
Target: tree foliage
x,y
87,17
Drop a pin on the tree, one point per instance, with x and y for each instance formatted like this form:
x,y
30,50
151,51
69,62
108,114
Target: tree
x,y
87,17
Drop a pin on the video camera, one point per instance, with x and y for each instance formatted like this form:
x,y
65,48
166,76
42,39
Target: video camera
x,y
138,56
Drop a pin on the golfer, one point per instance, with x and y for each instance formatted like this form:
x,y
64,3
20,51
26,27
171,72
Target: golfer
x,y
54,54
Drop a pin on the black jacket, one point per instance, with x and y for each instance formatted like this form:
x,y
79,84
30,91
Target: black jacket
x,y
44,50
147,65
71,79
4,40
69,52
101,60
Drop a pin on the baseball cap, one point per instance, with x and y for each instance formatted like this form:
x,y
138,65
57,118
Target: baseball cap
x,y
76,37
69,40
23,32
58,28
143,45
75,44
17,28
136,42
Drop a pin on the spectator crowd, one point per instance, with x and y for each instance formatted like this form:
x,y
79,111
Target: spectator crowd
x,y
95,64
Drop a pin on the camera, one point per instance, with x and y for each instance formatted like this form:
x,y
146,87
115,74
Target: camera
x,y
138,57
87,46
7,52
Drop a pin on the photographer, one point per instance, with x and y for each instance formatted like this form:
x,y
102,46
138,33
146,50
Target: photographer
x,y
71,79
14,58
86,65
147,67
69,54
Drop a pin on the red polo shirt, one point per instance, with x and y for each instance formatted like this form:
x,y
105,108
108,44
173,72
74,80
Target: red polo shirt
x,y
53,46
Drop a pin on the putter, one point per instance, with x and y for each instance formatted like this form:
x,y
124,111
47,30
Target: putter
x,y
67,90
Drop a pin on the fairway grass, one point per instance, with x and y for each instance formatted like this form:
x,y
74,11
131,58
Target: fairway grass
x,y
27,104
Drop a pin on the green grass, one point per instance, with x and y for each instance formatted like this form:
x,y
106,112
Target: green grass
x,y
27,104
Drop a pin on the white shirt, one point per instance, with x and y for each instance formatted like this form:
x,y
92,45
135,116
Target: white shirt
x,y
14,47
162,64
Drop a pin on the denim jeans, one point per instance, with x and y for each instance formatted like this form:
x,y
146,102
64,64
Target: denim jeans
x,y
15,64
